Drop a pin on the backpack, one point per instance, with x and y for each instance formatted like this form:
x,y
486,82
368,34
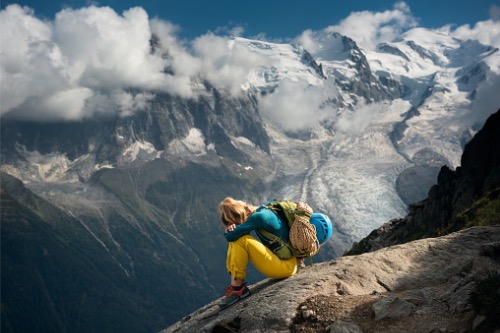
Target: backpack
x,y
303,241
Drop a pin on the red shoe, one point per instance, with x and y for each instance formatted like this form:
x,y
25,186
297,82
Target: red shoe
x,y
233,296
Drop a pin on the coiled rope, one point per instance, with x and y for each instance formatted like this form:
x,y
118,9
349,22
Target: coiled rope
x,y
303,233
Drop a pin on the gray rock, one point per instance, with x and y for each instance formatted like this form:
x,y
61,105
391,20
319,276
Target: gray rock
x,y
404,269
457,297
478,321
341,326
392,307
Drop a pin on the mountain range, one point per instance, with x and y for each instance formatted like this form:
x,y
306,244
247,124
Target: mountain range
x,y
110,224
385,291
435,270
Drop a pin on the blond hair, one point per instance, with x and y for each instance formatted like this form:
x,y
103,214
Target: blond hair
x,y
235,211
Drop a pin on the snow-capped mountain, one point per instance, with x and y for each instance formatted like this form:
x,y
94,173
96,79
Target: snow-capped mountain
x,y
357,134
360,118
406,107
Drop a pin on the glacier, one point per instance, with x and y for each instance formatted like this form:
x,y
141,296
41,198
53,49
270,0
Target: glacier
x,y
359,145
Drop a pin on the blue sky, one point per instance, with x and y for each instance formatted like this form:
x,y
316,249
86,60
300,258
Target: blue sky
x,y
275,19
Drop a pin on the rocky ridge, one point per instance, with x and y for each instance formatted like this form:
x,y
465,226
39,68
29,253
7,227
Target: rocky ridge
x,y
424,285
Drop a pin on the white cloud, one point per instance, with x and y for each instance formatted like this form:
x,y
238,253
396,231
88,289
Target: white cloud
x,y
295,106
487,99
129,103
86,61
307,41
99,57
225,63
177,58
371,28
357,121
68,104
115,51
487,32
93,60
28,57
231,29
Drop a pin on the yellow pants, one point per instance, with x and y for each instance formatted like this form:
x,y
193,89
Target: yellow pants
x,y
264,260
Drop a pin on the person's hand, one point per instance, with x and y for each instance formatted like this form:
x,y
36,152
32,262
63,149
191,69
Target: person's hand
x,y
230,228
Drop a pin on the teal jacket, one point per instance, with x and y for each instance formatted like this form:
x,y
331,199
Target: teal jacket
x,y
263,218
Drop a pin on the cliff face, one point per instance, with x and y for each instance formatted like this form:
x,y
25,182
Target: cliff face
x,y
106,139
421,286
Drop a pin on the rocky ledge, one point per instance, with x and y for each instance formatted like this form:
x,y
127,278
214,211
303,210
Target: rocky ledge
x,y
422,286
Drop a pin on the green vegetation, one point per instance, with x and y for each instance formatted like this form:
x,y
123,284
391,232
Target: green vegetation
x,y
483,212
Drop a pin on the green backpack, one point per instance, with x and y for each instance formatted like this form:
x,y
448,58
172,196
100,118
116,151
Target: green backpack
x,y
287,211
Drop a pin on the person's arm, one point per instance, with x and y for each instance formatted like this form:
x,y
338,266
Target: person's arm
x,y
257,220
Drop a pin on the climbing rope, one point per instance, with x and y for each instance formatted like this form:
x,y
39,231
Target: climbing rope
x,y
302,233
